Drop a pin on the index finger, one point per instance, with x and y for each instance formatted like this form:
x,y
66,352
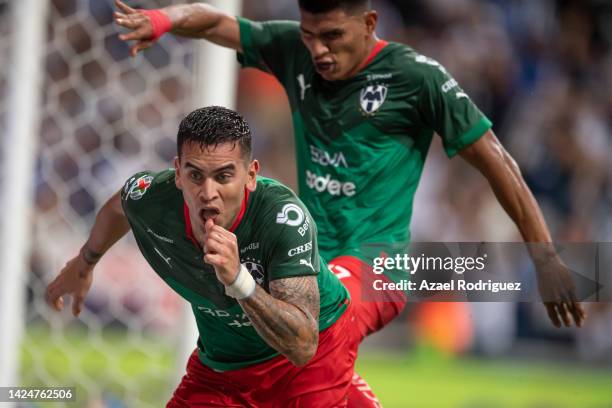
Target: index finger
x,y
124,7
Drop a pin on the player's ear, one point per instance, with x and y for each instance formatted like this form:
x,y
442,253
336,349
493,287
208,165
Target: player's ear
x,y
177,173
252,172
371,19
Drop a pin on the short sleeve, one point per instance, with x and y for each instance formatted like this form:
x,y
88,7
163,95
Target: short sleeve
x,y
448,110
294,252
269,46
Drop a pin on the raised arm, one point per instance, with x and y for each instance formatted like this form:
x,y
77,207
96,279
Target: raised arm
x,y
287,317
76,277
186,20
555,282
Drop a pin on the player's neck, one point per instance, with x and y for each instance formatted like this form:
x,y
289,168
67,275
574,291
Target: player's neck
x,y
369,53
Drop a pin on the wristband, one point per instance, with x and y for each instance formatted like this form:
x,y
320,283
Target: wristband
x,y
159,20
244,285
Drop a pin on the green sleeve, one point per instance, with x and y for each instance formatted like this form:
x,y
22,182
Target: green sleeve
x,y
448,110
294,251
269,46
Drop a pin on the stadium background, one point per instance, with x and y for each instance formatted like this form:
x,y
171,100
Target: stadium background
x,y
541,69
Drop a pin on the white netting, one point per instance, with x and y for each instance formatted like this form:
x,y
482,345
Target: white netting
x,y
104,117
5,42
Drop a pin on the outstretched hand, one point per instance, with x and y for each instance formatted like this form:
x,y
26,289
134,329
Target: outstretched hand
x,y
75,279
139,24
559,293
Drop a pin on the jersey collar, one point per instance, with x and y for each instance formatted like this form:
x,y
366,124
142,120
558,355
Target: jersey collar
x,y
380,44
239,217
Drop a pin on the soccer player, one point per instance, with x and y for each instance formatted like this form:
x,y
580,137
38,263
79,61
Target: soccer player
x,y
364,113
276,326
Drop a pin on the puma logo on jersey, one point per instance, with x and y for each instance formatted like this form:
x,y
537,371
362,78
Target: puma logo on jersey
x,y
166,259
303,86
307,263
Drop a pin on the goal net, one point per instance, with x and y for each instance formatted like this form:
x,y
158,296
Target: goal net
x,y
103,117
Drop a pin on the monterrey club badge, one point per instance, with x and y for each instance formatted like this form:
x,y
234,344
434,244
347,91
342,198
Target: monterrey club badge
x,y
256,271
139,187
372,98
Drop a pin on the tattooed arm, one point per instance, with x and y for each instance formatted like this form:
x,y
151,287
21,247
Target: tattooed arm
x,y
287,317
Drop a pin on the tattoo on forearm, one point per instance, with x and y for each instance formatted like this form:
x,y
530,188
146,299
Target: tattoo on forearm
x,y
287,317
90,257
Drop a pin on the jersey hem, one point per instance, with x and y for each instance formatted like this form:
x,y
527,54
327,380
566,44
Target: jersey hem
x,y
469,137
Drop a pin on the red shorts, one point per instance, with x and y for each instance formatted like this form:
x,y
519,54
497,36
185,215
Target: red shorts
x,y
372,310
324,382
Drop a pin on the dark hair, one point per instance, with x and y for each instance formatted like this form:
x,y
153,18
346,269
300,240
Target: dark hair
x,y
323,6
212,126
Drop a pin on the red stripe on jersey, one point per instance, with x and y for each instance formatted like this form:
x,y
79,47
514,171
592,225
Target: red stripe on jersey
x,y
380,44
188,229
245,200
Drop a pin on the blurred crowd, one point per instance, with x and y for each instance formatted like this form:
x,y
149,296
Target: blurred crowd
x,y
540,69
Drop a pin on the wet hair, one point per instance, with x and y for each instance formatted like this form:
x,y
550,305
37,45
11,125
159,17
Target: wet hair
x,y
323,6
212,126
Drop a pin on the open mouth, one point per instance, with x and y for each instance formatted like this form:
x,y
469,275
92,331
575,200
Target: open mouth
x,y
324,67
209,213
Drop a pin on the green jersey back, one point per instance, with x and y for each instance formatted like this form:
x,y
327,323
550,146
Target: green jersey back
x,y
276,239
361,143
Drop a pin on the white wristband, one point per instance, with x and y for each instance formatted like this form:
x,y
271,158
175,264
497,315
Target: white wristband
x,y
243,286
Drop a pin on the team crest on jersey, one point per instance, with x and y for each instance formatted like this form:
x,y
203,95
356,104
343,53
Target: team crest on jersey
x,y
372,98
136,189
256,271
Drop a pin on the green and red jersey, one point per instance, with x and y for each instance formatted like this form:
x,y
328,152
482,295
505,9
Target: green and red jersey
x,y
276,239
361,143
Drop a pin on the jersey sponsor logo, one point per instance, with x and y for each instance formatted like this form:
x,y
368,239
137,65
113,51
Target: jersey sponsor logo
x,y
378,77
301,249
256,271
160,237
291,214
304,228
422,59
372,98
239,320
448,85
303,86
325,159
327,184
136,188
251,247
